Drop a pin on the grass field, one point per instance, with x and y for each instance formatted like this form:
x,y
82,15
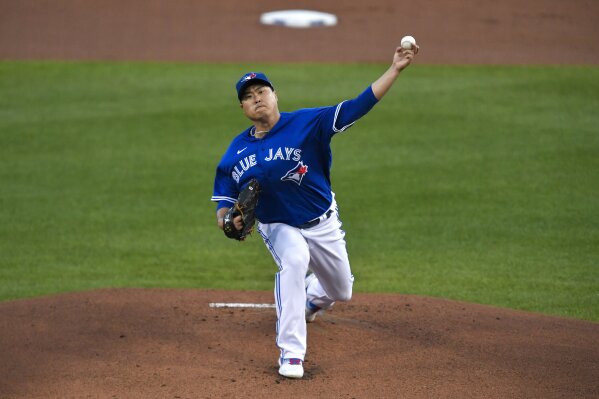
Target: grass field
x,y
472,183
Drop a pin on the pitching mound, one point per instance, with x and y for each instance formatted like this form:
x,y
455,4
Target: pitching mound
x,y
134,343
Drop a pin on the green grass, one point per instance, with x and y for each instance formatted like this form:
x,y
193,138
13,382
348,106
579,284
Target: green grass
x,y
472,183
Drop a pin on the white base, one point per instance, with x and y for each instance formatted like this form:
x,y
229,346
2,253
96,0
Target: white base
x,y
298,18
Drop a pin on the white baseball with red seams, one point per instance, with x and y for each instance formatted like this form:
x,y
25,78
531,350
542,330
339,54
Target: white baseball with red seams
x,y
407,42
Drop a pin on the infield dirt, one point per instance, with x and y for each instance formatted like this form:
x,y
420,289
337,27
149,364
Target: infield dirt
x,y
133,343
152,343
449,32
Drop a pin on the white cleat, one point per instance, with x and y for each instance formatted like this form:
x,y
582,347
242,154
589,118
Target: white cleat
x,y
311,309
291,368
311,312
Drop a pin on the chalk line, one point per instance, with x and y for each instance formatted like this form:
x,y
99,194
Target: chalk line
x,y
240,305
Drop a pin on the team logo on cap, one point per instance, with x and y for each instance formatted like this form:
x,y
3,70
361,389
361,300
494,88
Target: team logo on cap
x,y
296,174
249,76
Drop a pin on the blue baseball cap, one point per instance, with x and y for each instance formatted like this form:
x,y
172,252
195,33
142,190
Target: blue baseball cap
x,y
251,78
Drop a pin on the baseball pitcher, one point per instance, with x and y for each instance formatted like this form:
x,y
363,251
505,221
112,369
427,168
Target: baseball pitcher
x,y
286,158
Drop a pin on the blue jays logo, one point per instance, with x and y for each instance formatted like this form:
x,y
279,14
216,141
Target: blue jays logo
x,y
249,76
296,174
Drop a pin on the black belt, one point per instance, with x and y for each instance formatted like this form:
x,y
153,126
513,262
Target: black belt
x,y
315,222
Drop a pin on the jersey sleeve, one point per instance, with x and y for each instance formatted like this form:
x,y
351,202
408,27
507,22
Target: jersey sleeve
x,y
225,189
344,115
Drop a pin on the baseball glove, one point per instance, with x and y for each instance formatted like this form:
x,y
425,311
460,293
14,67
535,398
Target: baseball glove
x,y
245,206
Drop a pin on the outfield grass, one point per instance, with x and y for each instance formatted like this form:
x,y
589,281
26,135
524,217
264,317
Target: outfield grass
x,y
472,183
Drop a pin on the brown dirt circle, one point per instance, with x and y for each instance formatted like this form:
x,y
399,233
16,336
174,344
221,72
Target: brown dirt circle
x,y
158,343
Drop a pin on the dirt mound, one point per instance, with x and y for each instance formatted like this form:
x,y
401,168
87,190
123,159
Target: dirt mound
x,y
139,343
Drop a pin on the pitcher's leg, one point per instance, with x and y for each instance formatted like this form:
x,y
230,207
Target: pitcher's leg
x,y
290,251
330,263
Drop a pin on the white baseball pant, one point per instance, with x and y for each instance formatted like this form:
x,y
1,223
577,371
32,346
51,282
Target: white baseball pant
x,y
322,250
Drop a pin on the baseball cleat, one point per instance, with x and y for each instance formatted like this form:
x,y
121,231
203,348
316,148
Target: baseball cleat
x,y
311,312
311,309
291,368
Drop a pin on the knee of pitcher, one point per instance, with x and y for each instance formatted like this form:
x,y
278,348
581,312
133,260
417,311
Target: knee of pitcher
x,y
344,296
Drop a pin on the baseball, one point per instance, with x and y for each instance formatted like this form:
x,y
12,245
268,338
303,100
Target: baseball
x,y
407,42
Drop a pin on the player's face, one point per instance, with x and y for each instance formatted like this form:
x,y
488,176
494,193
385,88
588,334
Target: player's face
x,y
259,101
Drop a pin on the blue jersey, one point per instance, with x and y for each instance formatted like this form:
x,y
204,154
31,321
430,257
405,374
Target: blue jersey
x,y
292,162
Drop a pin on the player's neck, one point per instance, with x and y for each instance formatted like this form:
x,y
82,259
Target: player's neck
x,y
260,133
263,126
